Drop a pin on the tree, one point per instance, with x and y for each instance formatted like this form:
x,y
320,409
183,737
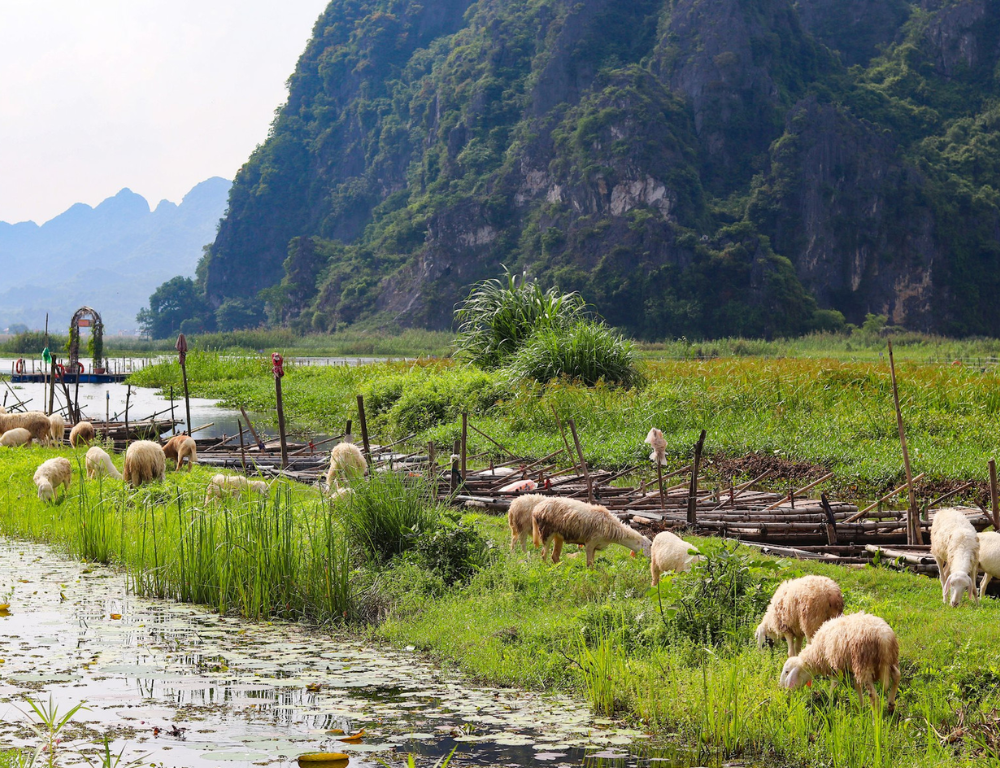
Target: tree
x,y
239,314
175,301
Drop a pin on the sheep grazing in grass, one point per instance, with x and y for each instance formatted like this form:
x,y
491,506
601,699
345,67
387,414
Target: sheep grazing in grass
x,y
180,447
232,485
955,547
659,445
144,463
100,464
52,474
989,558
670,553
81,434
519,518
35,422
798,609
576,522
859,644
15,438
57,428
347,463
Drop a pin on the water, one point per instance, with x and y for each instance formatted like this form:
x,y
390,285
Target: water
x,y
258,694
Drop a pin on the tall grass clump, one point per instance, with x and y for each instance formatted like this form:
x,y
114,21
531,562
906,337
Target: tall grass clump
x,y
501,314
587,352
386,516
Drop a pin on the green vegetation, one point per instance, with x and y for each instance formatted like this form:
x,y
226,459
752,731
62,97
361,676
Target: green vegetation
x,y
587,352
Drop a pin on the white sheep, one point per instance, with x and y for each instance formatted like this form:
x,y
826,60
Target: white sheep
x,y
347,463
180,447
99,463
859,644
798,609
232,485
144,463
576,522
519,518
35,422
14,438
50,475
989,558
82,433
57,428
955,548
670,553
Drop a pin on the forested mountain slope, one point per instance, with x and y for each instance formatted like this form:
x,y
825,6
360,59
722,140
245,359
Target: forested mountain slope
x,y
695,167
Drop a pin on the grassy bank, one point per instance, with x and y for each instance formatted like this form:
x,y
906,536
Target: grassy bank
x,y
679,660
836,414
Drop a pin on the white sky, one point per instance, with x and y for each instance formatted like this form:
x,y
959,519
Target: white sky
x,y
154,95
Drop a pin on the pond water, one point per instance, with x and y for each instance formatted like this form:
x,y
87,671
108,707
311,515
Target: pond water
x,y
187,687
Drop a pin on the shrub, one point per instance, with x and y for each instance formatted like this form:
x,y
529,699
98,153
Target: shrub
x,y
587,352
387,514
500,315
453,551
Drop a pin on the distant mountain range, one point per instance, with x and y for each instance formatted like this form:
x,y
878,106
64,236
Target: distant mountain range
x,y
110,257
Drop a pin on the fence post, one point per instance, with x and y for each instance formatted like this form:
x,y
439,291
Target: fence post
x,y
692,510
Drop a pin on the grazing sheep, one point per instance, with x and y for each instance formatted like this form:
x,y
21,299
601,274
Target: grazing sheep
x,y
35,422
231,485
52,474
14,438
659,446
858,643
81,433
57,428
144,463
519,518
576,522
670,553
989,558
346,463
180,446
955,548
339,493
798,609
99,464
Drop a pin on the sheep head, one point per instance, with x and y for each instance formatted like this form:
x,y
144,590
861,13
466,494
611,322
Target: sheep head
x,y
957,585
763,637
794,674
45,492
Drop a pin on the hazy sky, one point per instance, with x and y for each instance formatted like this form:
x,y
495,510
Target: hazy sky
x,y
154,95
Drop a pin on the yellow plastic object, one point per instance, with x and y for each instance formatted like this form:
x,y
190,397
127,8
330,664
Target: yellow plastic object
x,y
324,760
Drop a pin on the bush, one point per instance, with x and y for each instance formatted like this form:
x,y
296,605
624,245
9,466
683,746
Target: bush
x,y
587,352
387,515
454,551
500,315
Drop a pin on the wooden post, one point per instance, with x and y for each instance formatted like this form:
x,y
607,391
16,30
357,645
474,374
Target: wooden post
x,y
243,452
913,533
562,432
364,429
52,386
256,437
107,414
76,395
692,510
173,419
583,462
465,444
831,521
181,347
128,396
279,403
432,460
454,474
659,478
994,501
347,431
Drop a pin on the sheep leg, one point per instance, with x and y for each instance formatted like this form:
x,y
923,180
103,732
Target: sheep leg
x,y
557,548
982,585
792,651
591,547
655,572
894,674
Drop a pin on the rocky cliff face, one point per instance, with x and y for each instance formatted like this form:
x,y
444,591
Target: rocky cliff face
x,y
695,167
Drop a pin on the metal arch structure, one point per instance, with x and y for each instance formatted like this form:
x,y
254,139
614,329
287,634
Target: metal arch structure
x,y
96,330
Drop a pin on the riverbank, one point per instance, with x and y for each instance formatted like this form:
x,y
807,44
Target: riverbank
x,y
675,661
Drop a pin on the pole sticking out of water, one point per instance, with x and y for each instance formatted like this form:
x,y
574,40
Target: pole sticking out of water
x,y
128,397
173,419
182,346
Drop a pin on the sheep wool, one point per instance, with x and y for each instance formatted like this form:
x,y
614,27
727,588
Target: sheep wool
x,y
232,485
99,464
519,518
52,474
15,438
670,553
659,445
858,644
955,548
347,463
798,609
81,434
989,558
144,463
180,447
576,522
57,428
35,422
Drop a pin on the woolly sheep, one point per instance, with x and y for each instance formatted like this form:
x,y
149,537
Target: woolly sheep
x,y
670,553
519,518
231,485
859,644
798,609
576,522
99,464
57,428
144,463
14,438
989,558
180,447
35,422
81,433
955,548
50,475
346,463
